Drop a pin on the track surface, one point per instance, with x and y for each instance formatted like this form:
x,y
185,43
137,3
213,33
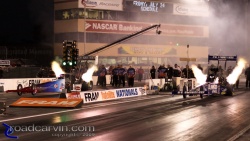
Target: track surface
x,y
152,117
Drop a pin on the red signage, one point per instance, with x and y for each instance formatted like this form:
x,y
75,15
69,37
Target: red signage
x,y
47,102
131,27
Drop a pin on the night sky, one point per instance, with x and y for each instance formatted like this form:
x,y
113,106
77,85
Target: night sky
x,y
26,21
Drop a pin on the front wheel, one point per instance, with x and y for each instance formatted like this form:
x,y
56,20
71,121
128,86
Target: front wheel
x,y
201,96
33,89
90,85
19,89
184,92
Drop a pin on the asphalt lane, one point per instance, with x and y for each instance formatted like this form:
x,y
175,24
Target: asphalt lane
x,y
151,117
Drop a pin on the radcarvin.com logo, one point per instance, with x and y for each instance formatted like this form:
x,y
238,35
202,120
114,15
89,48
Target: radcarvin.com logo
x,y
8,131
81,130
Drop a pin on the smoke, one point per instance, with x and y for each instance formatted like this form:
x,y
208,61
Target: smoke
x,y
227,27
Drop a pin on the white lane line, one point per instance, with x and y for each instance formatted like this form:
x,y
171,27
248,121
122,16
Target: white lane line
x,y
240,133
52,113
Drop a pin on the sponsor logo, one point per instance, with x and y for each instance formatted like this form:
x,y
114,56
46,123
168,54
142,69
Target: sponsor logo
x,y
126,92
8,131
91,96
74,95
142,90
181,9
108,95
88,3
47,102
62,86
55,85
77,87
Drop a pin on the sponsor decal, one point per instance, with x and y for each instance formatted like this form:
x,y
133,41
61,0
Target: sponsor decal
x,y
74,95
46,102
108,95
142,90
126,92
91,96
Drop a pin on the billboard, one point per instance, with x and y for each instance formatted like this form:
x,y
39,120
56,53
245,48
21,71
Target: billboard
x,y
101,4
191,10
123,27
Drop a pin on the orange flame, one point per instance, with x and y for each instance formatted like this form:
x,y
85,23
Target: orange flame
x,y
233,77
200,77
87,77
57,69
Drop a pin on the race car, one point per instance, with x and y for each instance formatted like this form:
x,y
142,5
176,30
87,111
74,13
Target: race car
x,y
51,86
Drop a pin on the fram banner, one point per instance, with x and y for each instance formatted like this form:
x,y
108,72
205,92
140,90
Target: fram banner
x,y
191,10
47,102
101,4
95,96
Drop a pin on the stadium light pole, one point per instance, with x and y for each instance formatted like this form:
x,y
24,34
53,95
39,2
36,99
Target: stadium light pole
x,y
187,59
84,46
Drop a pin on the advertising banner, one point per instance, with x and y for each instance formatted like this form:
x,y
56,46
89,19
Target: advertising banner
x,y
4,62
101,4
131,27
132,50
47,102
95,96
191,10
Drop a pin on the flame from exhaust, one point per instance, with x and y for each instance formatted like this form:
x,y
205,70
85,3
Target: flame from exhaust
x,y
232,77
200,77
57,69
87,77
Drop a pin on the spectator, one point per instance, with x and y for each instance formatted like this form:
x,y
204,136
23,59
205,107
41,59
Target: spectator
x,y
170,71
102,76
140,74
115,76
162,71
247,74
152,72
187,72
176,71
110,73
121,75
131,75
